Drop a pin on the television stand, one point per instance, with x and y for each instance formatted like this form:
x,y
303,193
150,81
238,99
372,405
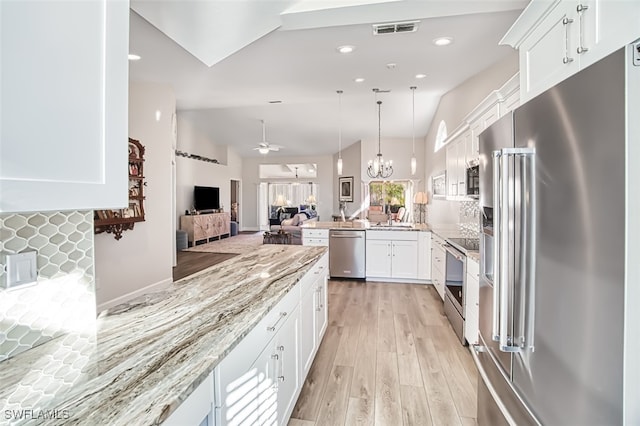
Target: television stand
x,y
201,227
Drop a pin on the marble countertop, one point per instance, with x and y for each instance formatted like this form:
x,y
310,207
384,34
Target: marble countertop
x,y
364,224
456,230
147,356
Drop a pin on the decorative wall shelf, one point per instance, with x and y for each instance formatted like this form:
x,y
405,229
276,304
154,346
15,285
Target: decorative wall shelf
x,y
117,221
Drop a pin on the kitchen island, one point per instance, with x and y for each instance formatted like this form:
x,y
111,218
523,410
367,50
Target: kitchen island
x,y
147,356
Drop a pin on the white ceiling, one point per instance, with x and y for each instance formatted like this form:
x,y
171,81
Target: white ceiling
x,y
298,64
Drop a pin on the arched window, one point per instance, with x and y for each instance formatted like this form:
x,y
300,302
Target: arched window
x,y
441,136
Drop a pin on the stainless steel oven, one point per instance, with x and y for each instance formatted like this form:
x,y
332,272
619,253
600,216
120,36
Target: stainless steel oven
x,y
456,271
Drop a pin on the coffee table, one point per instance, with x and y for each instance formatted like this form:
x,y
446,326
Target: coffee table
x,y
277,237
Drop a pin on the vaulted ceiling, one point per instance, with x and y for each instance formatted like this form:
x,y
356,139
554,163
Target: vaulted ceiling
x,y
228,60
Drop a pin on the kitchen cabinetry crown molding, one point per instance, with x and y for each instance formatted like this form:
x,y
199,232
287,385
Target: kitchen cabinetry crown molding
x,y
527,22
512,85
457,132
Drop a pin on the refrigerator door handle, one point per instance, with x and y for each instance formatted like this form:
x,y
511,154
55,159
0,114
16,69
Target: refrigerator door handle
x,y
497,253
506,203
527,267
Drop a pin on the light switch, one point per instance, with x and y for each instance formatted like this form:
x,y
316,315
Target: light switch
x,y
20,268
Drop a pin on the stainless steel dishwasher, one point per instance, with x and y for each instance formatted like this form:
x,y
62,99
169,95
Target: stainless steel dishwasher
x,y
346,253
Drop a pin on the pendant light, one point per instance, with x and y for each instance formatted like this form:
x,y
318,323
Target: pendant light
x,y
339,132
414,162
377,168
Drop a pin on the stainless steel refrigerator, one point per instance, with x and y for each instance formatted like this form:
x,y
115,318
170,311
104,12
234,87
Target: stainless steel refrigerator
x,y
555,326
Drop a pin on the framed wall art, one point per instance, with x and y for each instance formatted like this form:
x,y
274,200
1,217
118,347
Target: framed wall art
x,y
345,189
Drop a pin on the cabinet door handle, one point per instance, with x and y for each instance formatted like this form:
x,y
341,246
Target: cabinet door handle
x,y
275,358
273,327
281,376
566,22
318,305
581,9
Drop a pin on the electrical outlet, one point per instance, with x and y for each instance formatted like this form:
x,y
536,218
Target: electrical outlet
x,y
20,268
636,54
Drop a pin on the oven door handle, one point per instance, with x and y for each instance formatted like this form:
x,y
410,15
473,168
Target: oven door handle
x,y
454,252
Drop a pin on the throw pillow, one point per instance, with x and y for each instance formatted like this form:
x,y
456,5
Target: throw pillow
x,y
287,222
295,221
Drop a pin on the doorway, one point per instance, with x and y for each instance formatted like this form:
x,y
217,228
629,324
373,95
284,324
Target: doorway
x,y
235,201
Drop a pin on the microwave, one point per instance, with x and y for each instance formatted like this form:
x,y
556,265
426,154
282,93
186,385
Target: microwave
x,y
473,181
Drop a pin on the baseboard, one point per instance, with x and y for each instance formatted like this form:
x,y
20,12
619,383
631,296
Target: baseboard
x,y
397,280
250,228
160,285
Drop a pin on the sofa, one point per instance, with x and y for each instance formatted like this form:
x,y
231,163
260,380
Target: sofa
x,y
294,226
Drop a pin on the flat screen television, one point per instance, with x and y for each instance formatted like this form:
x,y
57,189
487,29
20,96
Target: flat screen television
x,y
206,198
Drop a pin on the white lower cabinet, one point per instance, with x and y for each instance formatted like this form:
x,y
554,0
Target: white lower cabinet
x,y
315,237
287,371
259,381
437,264
404,259
392,255
378,258
424,255
307,329
471,302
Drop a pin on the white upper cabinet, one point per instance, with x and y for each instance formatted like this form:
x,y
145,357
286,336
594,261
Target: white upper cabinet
x,y
63,105
462,148
606,26
557,39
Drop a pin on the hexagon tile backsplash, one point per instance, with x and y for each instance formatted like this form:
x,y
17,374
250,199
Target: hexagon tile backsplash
x,y
63,299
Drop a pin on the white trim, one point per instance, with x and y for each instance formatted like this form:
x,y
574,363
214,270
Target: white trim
x,y
396,280
458,131
528,21
160,285
512,85
486,104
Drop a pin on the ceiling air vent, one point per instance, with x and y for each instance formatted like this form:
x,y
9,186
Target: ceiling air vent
x,y
396,27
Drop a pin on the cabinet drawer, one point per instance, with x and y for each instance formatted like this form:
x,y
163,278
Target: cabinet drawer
x,y
310,278
315,233
317,242
244,354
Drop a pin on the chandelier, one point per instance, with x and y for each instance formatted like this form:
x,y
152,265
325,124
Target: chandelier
x,y
378,168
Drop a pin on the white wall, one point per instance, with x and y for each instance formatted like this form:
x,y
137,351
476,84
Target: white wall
x,y
190,172
251,180
399,150
142,259
351,166
453,107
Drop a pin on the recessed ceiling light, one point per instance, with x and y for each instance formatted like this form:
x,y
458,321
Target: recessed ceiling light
x,y
442,41
358,80
391,66
421,75
346,49
134,57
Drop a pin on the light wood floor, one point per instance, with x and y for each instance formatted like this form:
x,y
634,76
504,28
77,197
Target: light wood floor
x,y
389,357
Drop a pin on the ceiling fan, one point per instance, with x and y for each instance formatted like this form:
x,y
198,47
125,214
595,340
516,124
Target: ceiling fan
x,y
264,147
